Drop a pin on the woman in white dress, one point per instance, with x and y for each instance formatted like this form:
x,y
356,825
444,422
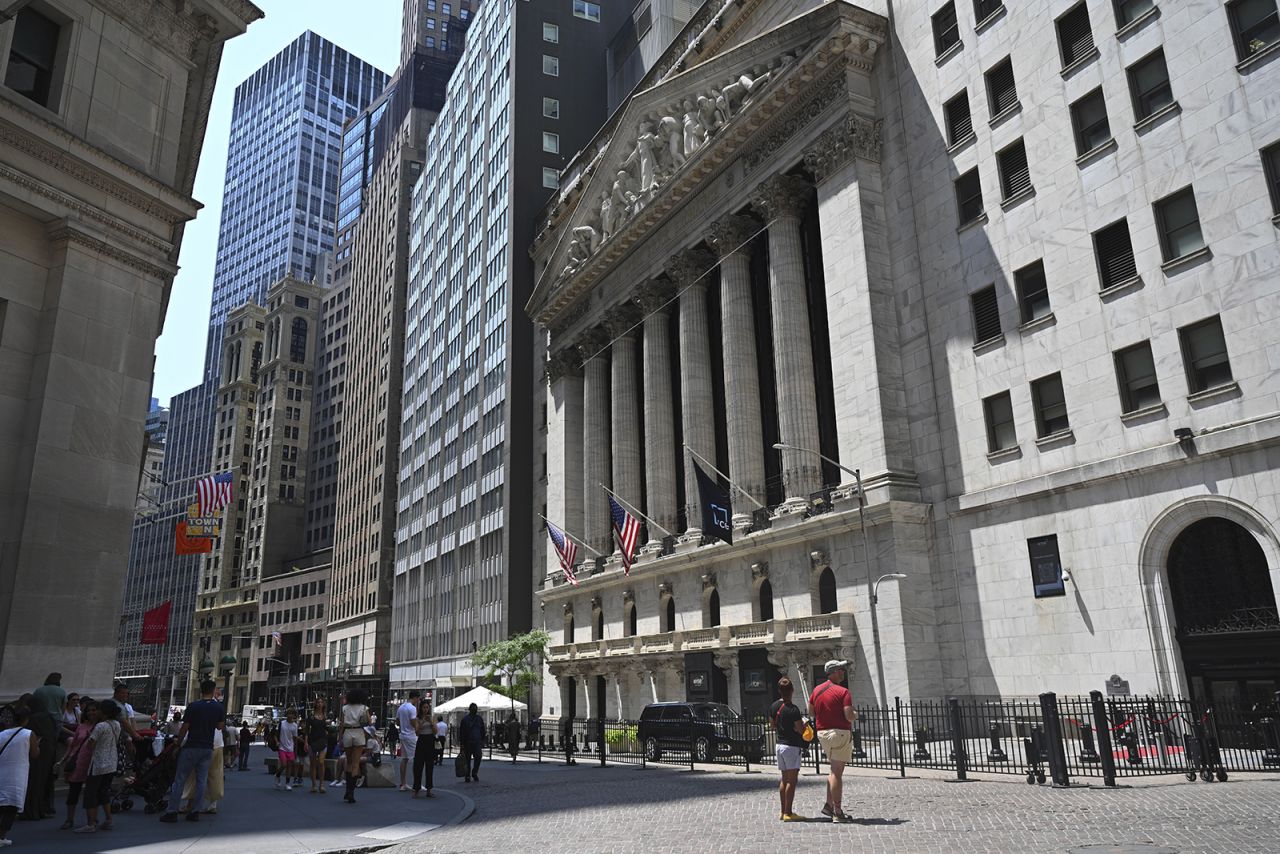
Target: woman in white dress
x,y
17,751
355,717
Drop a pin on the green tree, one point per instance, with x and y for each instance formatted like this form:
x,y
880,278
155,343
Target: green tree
x,y
513,664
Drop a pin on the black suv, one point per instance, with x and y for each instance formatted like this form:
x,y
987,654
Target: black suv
x,y
708,730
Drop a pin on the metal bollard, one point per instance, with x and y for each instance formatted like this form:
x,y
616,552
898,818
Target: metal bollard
x,y
858,752
1103,727
996,753
957,741
922,752
1088,753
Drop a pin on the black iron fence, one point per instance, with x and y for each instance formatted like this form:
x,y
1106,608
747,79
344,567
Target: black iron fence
x,y
1049,739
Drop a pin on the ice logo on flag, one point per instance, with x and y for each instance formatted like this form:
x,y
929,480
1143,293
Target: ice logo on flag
x,y
720,516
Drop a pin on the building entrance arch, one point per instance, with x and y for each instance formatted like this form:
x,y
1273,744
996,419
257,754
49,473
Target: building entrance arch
x,y
1211,566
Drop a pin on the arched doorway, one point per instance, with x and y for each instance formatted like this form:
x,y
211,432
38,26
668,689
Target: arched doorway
x,y
1225,615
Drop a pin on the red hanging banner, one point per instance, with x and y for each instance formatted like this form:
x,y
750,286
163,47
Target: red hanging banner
x,y
155,624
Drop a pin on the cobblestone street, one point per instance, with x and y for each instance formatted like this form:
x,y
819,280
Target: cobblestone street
x,y
551,808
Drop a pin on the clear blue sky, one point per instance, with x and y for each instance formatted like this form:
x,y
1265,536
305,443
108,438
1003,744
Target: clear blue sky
x,y
370,30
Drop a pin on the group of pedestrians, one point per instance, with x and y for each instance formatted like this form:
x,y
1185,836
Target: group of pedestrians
x,y
831,705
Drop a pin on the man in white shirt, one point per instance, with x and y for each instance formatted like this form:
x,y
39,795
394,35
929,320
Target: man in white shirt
x,y
442,734
407,720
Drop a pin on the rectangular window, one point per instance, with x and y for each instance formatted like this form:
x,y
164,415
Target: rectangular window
x,y
1255,25
1271,168
1114,251
1136,376
33,57
969,196
1033,292
985,308
1001,433
1075,36
550,33
1204,355
1128,11
1015,176
551,65
1089,119
946,29
551,142
983,9
585,9
1046,567
1179,224
1050,405
550,178
551,108
1149,85
958,118
1002,93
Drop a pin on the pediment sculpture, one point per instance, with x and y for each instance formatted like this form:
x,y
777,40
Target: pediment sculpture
x,y
666,139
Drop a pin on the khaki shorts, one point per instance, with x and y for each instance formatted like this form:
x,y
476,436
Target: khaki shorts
x,y
837,744
353,738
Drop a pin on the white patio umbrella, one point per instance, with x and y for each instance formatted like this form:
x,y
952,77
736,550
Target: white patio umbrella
x,y
485,700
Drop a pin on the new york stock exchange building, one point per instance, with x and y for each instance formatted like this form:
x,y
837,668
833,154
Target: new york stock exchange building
x,y
1031,310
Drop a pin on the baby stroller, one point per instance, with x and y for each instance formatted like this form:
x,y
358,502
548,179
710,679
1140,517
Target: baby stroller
x,y
154,778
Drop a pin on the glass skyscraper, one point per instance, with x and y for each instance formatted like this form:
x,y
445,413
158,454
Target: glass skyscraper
x,y
278,214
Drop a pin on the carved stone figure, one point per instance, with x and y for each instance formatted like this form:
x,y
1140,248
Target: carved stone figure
x,y
695,132
670,129
644,159
606,215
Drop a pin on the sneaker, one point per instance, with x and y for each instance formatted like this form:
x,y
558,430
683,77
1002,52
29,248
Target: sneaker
x,y
403,787
88,828
826,810
841,817
4,843
288,787
794,817
169,818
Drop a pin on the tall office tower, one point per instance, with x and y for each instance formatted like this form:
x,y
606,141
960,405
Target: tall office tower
x,y
528,91
361,371
975,304
264,414
279,197
103,107
425,23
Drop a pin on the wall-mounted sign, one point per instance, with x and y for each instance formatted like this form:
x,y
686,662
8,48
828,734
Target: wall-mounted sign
x,y
1046,566
753,681
1117,687
698,680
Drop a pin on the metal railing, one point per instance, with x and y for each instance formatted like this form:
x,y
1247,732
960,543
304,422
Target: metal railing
x,y
1049,739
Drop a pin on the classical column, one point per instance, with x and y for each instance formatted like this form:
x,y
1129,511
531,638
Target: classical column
x,y
594,349
871,421
782,200
622,323
659,419
564,445
728,237
696,404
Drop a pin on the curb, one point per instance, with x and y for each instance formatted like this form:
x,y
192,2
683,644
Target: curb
x,y
468,809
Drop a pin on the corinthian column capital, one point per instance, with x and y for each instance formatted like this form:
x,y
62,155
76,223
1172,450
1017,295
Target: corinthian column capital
x,y
729,234
782,195
592,341
564,363
622,319
654,294
852,136
688,266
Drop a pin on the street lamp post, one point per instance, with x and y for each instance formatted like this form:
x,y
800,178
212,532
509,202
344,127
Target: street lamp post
x,y
228,665
866,556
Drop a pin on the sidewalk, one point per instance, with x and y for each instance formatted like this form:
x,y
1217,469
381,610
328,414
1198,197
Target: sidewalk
x,y
255,817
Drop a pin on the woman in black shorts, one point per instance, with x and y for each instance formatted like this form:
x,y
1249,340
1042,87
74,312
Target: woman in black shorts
x,y
317,743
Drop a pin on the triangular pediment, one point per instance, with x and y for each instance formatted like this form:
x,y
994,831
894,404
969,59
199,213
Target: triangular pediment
x,y
664,139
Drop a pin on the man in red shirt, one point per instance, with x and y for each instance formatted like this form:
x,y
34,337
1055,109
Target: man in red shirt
x,y
831,705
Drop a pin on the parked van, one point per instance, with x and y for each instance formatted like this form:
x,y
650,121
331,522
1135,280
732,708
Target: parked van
x,y
254,715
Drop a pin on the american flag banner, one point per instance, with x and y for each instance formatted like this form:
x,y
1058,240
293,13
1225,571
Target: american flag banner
x,y
213,492
627,529
567,549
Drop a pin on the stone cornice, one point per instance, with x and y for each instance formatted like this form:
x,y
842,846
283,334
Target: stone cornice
x,y
64,232
178,26
853,136
81,162
70,203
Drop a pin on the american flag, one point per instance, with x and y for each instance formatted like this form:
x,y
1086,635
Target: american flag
x,y
627,528
567,549
213,492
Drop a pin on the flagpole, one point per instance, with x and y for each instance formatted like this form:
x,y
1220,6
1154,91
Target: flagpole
x,y
711,466
624,503
577,540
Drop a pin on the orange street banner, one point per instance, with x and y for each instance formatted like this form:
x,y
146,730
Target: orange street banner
x,y
185,544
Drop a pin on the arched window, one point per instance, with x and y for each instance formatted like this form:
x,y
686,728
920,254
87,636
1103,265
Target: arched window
x,y
597,624
669,624
298,341
827,592
713,608
630,621
766,600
